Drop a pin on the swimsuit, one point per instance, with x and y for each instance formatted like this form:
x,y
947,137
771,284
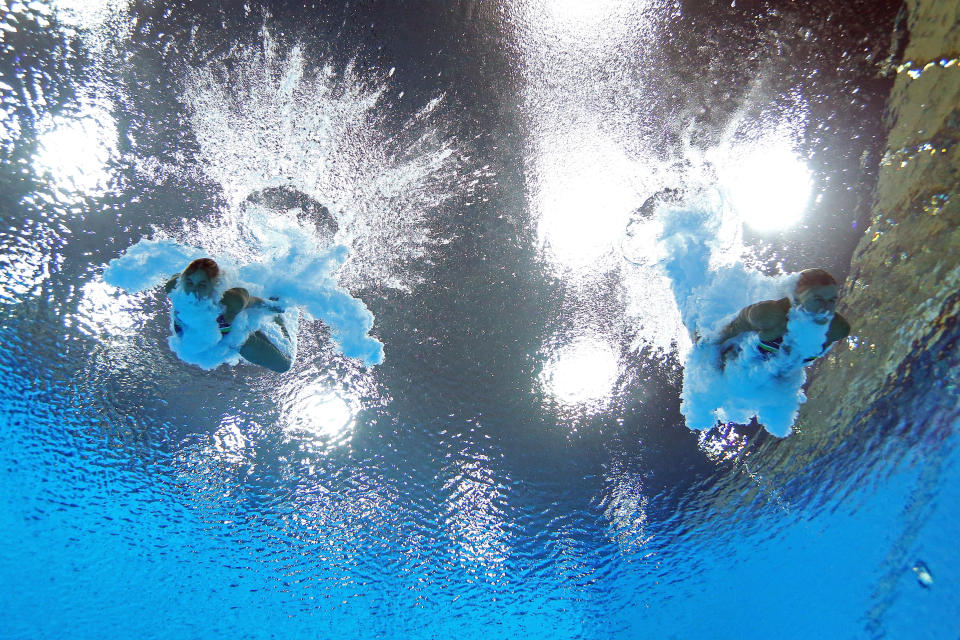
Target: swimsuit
x,y
769,348
222,324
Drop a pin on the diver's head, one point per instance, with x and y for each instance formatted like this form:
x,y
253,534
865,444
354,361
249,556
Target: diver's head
x,y
816,294
199,277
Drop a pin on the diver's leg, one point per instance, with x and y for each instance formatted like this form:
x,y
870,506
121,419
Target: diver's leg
x,y
259,350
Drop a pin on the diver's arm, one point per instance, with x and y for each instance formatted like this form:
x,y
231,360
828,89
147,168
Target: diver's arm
x,y
272,305
237,299
171,284
234,301
740,324
839,329
761,318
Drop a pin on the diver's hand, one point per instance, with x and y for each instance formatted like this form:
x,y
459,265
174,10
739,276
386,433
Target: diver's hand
x,y
234,301
269,305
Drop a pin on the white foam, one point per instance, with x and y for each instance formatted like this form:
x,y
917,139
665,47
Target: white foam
x,y
709,295
293,269
149,263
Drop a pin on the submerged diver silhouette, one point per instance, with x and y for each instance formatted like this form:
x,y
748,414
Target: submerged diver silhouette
x,y
815,296
199,279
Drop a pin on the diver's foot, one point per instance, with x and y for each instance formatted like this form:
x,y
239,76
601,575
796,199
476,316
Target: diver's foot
x,y
283,327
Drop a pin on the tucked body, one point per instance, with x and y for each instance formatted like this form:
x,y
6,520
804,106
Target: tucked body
x,y
815,296
200,280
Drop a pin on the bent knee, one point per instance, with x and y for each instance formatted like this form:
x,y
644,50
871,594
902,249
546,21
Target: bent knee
x,y
276,363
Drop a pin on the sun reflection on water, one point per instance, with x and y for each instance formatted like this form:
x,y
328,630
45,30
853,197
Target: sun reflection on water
x,y
552,25
76,152
87,14
582,372
767,184
585,188
579,15
320,412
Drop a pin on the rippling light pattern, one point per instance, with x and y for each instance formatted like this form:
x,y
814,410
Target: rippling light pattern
x,y
317,411
722,444
625,507
473,518
76,152
105,309
768,186
582,372
229,444
24,268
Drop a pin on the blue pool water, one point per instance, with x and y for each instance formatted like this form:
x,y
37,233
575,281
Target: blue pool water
x,y
133,531
518,465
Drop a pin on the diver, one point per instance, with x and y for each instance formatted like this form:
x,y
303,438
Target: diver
x,y
200,279
814,296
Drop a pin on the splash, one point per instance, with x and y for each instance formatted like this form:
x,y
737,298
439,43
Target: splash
x,y
709,282
266,119
149,263
743,384
199,341
290,269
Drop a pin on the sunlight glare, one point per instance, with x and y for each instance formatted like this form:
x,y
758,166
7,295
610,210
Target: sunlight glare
x,y
582,24
319,411
578,12
768,186
76,152
583,371
87,14
584,195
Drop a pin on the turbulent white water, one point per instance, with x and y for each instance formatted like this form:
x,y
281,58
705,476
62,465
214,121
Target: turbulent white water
x,y
291,267
267,122
200,342
709,295
265,119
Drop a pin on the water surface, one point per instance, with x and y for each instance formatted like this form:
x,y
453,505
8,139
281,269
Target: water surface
x,y
518,464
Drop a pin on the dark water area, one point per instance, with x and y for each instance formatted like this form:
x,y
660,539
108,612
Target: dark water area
x,y
461,472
